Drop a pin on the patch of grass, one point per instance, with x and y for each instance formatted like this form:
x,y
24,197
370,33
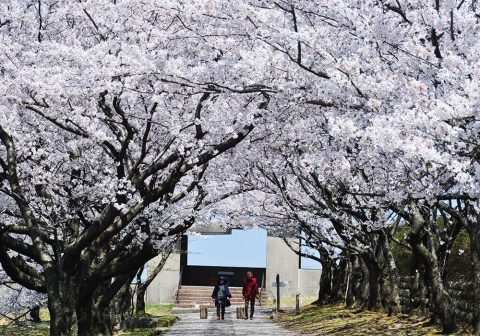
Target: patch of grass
x,y
337,320
162,312
44,314
290,301
158,309
37,329
165,320
143,332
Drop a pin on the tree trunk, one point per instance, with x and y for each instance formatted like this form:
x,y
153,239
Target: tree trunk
x,y
61,301
364,288
94,309
142,288
374,278
338,279
61,316
102,321
390,290
355,288
421,240
350,296
140,306
418,292
325,293
84,319
442,304
85,307
475,251
35,314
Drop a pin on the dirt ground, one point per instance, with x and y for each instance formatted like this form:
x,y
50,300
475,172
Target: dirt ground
x,y
336,320
42,329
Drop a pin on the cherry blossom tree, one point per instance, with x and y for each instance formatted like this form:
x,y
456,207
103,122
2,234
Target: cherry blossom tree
x,y
17,301
111,113
358,116
379,118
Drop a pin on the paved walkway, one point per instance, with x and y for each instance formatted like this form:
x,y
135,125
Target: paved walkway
x,y
192,325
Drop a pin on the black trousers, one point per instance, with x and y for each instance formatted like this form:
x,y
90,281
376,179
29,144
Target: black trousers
x,y
221,308
250,302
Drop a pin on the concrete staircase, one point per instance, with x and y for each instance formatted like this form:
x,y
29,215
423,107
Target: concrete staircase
x,y
194,296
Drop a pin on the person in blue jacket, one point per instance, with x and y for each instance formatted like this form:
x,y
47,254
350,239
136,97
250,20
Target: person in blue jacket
x,y
221,294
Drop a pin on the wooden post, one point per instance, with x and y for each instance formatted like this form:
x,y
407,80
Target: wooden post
x,y
297,304
240,313
203,312
278,292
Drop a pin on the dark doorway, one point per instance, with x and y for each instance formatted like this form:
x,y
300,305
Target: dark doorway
x,y
195,275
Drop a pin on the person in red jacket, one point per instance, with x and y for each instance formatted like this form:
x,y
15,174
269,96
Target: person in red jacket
x,y
250,292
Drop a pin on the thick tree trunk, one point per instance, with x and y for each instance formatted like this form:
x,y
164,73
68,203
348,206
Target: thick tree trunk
x,y
61,301
35,314
94,309
84,310
339,279
475,251
325,293
363,287
61,316
418,291
442,304
374,278
102,321
140,305
421,240
123,302
93,318
356,280
390,290
85,307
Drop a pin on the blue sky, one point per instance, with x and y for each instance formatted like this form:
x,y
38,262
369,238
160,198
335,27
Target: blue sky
x,y
242,248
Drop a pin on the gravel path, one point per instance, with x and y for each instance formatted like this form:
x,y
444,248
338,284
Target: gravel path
x,y
192,325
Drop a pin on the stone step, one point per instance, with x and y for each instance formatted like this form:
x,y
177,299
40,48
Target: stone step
x,y
209,293
177,310
207,299
207,289
194,294
200,295
207,303
210,305
184,305
187,302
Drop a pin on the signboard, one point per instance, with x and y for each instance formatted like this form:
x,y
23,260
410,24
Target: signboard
x,y
212,230
281,284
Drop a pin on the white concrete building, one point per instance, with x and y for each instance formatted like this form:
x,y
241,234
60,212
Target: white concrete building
x,y
280,259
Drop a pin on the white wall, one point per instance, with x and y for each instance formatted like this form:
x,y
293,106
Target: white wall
x,y
164,287
283,261
309,281
280,260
